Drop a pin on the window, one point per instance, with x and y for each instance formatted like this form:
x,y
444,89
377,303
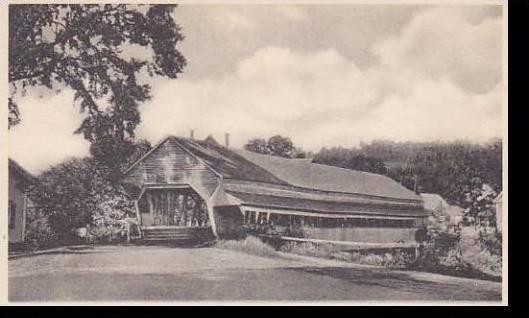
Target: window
x,y
12,212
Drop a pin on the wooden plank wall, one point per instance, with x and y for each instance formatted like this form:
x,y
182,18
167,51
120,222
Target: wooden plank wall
x,y
371,235
170,164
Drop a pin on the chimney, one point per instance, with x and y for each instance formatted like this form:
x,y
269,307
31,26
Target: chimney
x,y
192,134
227,139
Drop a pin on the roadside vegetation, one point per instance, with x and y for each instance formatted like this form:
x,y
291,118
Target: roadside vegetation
x,y
469,251
250,245
77,202
394,259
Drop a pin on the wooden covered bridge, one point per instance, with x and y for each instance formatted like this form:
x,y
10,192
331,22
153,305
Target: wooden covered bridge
x,y
194,189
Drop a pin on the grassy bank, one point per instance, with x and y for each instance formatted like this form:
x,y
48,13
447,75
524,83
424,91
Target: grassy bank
x,y
395,259
250,245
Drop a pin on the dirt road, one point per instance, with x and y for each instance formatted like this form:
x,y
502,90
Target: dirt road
x,y
107,273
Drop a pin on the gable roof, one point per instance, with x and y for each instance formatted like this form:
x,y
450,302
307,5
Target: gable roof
x,y
306,174
437,204
302,173
433,201
227,162
17,168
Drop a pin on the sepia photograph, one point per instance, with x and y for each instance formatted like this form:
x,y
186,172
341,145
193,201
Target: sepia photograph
x,y
281,153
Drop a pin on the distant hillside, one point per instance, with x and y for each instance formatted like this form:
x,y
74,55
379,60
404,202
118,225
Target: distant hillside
x,y
446,168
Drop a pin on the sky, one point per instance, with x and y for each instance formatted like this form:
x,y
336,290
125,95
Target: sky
x,y
323,75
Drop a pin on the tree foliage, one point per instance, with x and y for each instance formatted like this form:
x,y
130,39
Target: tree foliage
x,y
115,157
465,174
69,195
276,146
89,49
350,159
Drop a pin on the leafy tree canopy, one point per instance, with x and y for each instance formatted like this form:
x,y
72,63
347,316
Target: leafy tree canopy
x,y
350,159
276,146
68,195
90,49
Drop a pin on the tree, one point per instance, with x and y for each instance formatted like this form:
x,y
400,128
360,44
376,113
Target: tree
x,y
114,157
84,47
276,146
350,159
257,145
280,146
75,194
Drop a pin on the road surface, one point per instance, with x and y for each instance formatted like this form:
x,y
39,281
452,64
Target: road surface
x,y
108,273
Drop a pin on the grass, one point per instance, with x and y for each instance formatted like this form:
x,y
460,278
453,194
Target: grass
x,y
254,246
250,245
396,259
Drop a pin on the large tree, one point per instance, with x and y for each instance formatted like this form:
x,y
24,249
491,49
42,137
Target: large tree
x,y
276,146
89,48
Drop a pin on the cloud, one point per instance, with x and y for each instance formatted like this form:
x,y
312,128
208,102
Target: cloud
x,y
437,78
231,19
447,42
45,135
323,99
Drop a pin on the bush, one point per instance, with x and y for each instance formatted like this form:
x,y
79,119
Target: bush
x,y
109,219
393,259
491,241
308,249
39,234
481,250
78,194
250,245
467,251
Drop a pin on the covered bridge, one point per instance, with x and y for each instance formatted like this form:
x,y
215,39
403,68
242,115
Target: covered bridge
x,y
202,186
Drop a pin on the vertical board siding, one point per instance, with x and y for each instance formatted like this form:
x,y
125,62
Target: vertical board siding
x,y
364,235
170,164
16,196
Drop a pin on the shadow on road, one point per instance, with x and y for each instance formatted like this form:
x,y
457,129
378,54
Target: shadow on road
x,y
401,281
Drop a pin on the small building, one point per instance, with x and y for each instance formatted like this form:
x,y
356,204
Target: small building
x,y
198,184
439,208
498,202
18,201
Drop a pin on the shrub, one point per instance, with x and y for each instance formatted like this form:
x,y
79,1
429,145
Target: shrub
x,y
250,245
491,241
481,250
39,234
308,249
488,263
393,259
77,194
399,259
109,219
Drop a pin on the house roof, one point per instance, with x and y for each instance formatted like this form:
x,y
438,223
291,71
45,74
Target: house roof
x,y
433,201
437,204
302,173
325,206
227,162
19,170
305,174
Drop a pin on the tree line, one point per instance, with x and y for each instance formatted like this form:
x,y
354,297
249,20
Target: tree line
x,y
464,173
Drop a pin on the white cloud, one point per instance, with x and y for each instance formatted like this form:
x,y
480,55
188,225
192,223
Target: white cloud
x,y
45,135
445,42
322,99
231,19
438,79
